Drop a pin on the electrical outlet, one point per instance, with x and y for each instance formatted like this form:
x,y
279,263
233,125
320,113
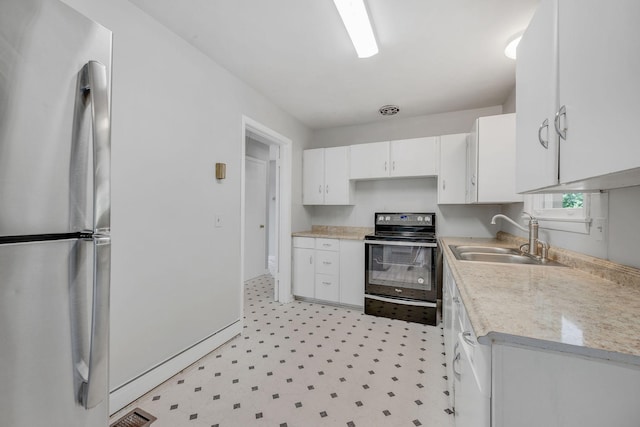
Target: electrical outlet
x,y
598,228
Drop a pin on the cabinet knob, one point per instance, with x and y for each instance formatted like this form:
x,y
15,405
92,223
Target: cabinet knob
x,y
320,189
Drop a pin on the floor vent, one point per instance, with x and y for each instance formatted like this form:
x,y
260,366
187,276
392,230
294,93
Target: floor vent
x,y
135,418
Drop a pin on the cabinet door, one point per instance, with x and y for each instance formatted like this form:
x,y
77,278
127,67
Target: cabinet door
x,y
336,176
600,87
327,287
414,157
496,166
452,175
369,160
303,272
472,406
536,103
328,262
472,165
313,177
352,272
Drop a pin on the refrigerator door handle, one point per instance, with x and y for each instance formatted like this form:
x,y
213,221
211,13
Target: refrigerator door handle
x,y
95,85
94,387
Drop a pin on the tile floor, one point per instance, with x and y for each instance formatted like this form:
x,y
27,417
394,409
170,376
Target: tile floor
x,y
305,364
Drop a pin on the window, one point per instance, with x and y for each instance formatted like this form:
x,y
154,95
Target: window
x,y
571,212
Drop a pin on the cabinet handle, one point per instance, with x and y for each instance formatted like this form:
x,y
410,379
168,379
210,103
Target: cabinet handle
x,y
393,165
456,359
327,189
473,180
326,262
561,112
398,290
467,338
444,184
320,189
385,166
326,283
456,300
310,259
326,245
544,124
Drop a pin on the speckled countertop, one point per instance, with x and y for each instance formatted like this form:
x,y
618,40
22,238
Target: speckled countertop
x,y
559,308
335,232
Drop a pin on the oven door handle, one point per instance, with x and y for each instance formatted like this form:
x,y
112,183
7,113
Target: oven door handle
x,y
401,301
396,243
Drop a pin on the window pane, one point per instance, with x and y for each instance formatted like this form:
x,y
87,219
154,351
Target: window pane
x,y
572,200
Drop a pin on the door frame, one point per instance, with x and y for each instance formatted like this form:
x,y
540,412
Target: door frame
x,y
282,292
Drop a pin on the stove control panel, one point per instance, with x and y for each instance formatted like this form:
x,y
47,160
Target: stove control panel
x,y
424,219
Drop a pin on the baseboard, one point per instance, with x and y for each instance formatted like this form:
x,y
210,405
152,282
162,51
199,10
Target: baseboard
x,y
142,384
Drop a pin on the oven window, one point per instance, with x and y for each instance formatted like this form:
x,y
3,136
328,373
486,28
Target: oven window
x,y
402,271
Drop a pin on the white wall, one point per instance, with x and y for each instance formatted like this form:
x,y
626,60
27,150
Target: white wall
x,y
175,277
400,128
408,195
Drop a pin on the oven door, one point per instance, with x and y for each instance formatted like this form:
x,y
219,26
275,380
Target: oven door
x,y
401,269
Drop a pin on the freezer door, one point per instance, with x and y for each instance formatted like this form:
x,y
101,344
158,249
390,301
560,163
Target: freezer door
x,y
46,322
47,160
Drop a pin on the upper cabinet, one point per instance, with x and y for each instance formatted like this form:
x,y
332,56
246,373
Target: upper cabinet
x,y
401,158
325,177
578,96
491,160
452,182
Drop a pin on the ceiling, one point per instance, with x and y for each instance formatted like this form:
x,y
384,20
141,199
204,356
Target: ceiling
x,y
435,55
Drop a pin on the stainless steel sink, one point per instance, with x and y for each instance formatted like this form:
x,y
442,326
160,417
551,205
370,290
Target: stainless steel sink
x,y
494,254
505,258
484,249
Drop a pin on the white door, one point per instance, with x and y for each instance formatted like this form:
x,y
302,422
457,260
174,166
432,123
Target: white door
x,y
599,86
255,258
313,177
413,157
336,176
452,178
536,76
369,160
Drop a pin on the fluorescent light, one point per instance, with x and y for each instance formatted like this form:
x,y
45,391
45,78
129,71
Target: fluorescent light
x,y
355,18
510,50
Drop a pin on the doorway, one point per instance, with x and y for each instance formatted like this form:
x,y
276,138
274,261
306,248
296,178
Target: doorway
x,y
266,204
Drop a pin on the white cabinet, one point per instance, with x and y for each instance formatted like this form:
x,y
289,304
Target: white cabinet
x,y
452,173
369,160
535,387
304,267
325,177
352,272
330,270
468,362
572,77
413,157
401,158
491,160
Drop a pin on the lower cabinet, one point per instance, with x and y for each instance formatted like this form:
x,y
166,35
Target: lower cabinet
x,y
329,270
535,387
508,384
468,362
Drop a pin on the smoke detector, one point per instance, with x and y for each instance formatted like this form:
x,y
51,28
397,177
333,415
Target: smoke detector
x,y
389,110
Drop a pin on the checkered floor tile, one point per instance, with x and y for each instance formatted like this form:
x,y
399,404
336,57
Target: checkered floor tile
x,y
306,364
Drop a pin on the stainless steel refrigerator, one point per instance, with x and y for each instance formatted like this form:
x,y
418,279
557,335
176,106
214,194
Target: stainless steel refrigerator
x,y
55,85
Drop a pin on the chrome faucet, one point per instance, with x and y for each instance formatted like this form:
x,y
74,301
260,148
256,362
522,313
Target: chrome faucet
x,y
532,246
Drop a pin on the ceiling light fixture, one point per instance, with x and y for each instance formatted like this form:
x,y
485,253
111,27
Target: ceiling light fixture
x,y
510,50
355,18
